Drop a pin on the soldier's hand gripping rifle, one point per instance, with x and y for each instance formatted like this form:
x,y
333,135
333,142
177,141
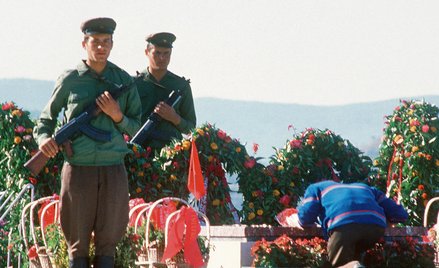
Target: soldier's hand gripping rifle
x,y
80,124
153,120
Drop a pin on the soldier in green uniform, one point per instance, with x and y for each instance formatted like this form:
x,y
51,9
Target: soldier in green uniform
x,y
155,84
94,188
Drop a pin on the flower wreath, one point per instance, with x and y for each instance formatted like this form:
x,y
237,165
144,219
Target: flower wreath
x,y
166,174
307,158
408,161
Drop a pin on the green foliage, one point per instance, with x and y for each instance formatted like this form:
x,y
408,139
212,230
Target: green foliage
x,y
408,161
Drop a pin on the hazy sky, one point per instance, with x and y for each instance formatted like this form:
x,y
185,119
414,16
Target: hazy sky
x,y
309,52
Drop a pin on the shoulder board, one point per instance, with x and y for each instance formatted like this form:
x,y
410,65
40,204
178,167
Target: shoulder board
x,y
179,77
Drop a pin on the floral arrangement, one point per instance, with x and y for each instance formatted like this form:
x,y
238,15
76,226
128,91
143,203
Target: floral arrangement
x,y
308,157
408,161
286,252
406,252
166,174
16,147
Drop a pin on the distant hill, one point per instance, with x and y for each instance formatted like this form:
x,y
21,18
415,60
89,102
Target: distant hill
x,y
252,122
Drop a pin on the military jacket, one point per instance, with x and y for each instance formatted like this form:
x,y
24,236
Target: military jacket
x,y
151,92
74,91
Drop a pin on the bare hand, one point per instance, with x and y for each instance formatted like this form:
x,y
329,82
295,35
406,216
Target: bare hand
x,y
49,147
109,106
167,112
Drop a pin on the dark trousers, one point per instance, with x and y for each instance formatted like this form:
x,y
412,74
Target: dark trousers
x,y
347,242
93,199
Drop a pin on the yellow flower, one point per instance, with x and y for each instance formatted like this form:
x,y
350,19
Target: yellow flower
x,y
216,202
214,146
375,162
17,140
186,145
260,212
280,167
200,131
172,177
238,149
17,113
255,194
410,112
292,184
140,174
398,139
251,216
437,162
413,128
138,190
251,205
276,192
210,158
415,149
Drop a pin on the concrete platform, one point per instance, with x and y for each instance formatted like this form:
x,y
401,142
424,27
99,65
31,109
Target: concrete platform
x,y
232,244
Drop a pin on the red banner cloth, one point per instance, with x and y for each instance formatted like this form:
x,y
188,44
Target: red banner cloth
x,y
49,216
182,234
195,180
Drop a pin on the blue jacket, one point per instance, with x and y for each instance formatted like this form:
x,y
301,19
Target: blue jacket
x,y
333,204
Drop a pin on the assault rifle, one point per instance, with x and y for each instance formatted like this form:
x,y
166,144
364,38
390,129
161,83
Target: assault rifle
x,y
153,120
80,124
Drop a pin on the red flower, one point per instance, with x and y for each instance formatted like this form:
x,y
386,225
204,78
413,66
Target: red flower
x,y
285,200
250,163
222,135
255,147
425,128
296,170
296,144
33,180
8,106
32,253
421,187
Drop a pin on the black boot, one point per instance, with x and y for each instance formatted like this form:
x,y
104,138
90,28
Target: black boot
x,y
103,262
79,262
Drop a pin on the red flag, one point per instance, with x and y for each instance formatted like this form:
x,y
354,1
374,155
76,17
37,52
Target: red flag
x,y
195,181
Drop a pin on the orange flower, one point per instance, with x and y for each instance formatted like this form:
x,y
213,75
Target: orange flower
x,y
172,177
260,212
213,146
216,202
17,140
424,196
437,162
238,149
140,174
413,128
159,185
200,131
138,190
251,205
251,216
421,187
186,145
398,139
415,149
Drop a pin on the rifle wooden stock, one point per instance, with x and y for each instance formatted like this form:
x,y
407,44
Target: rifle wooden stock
x,y
36,163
